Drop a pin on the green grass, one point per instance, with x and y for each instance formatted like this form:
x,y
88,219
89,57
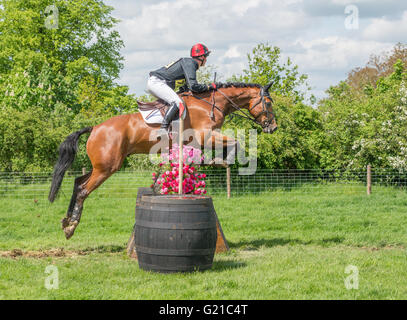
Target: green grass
x,y
284,245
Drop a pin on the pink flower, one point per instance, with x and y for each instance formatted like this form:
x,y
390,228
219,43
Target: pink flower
x,y
169,180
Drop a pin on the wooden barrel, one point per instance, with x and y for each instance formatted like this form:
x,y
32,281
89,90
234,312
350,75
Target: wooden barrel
x,y
131,247
175,233
143,192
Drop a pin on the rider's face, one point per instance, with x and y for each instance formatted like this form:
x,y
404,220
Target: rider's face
x,y
203,61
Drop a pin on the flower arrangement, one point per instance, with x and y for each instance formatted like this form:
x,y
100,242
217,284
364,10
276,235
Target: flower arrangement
x,y
166,180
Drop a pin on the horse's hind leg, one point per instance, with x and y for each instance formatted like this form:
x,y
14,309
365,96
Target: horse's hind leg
x,y
78,182
96,178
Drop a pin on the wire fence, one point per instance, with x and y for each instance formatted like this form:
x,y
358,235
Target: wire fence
x,y
124,184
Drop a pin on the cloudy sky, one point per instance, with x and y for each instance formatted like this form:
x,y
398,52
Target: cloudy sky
x,y
321,36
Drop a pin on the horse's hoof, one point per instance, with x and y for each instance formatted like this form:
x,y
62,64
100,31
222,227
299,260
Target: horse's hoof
x,y
65,223
69,231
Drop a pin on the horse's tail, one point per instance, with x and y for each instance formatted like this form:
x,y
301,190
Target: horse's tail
x,y
67,152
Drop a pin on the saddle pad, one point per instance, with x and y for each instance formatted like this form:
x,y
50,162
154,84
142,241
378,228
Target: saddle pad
x,y
155,116
152,116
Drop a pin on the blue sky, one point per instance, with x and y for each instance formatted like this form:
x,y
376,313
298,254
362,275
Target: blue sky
x,y
312,33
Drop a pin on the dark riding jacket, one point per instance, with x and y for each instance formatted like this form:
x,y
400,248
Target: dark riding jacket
x,y
184,68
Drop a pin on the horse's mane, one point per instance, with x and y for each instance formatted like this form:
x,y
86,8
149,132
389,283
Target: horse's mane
x,y
221,85
237,85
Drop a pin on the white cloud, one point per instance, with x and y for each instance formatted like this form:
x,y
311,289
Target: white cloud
x,y
387,30
335,53
232,52
367,8
311,32
241,8
328,60
219,23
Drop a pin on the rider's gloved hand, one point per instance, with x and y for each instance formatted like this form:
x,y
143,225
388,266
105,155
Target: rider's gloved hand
x,y
212,86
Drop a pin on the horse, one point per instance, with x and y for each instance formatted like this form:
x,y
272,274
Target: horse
x,y
112,141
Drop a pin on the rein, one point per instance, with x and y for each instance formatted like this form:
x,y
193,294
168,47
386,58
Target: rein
x,y
237,108
213,105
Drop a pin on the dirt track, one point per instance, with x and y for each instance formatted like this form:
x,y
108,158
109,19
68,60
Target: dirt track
x,y
60,252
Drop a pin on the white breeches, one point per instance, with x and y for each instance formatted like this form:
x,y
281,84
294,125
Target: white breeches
x,y
158,88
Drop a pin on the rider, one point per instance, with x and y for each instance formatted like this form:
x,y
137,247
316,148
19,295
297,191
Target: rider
x,y
161,82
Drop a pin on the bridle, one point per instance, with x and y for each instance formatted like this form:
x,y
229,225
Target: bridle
x,y
266,105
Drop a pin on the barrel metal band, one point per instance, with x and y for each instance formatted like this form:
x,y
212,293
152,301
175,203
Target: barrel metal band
x,y
178,268
176,226
174,208
175,252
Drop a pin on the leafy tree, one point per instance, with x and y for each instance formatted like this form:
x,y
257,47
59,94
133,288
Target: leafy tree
x,y
369,127
55,80
29,138
84,32
296,143
37,61
265,66
379,66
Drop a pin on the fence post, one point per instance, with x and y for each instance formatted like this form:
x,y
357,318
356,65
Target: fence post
x,y
228,181
83,171
369,179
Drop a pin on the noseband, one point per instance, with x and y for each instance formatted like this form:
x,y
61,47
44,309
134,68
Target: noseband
x,y
266,106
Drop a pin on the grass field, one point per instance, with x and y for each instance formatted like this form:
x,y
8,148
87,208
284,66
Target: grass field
x,y
284,245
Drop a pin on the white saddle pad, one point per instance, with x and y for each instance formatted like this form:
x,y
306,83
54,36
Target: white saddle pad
x,y
152,117
155,117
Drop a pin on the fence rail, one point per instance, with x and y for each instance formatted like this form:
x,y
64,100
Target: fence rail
x,y
124,184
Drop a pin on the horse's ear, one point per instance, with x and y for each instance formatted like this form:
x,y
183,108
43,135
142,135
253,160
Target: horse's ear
x,y
267,87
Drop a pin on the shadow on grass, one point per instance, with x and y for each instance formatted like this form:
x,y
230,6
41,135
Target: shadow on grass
x,y
269,243
219,266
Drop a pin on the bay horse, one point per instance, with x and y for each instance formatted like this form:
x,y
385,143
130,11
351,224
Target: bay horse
x,y
112,141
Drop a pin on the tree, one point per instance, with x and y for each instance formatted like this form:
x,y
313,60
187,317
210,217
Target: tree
x,y
83,44
379,66
367,127
296,143
265,66
58,66
84,31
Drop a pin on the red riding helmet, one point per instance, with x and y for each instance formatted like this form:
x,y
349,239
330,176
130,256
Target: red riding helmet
x,y
199,50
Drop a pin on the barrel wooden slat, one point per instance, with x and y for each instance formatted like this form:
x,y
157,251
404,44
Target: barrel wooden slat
x,y
175,233
131,249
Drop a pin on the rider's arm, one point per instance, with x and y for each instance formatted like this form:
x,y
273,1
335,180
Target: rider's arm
x,y
190,67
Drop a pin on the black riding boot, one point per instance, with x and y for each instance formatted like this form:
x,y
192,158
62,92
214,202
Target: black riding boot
x,y
169,116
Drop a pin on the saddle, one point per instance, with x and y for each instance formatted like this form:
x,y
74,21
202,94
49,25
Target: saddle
x,y
158,104
153,106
